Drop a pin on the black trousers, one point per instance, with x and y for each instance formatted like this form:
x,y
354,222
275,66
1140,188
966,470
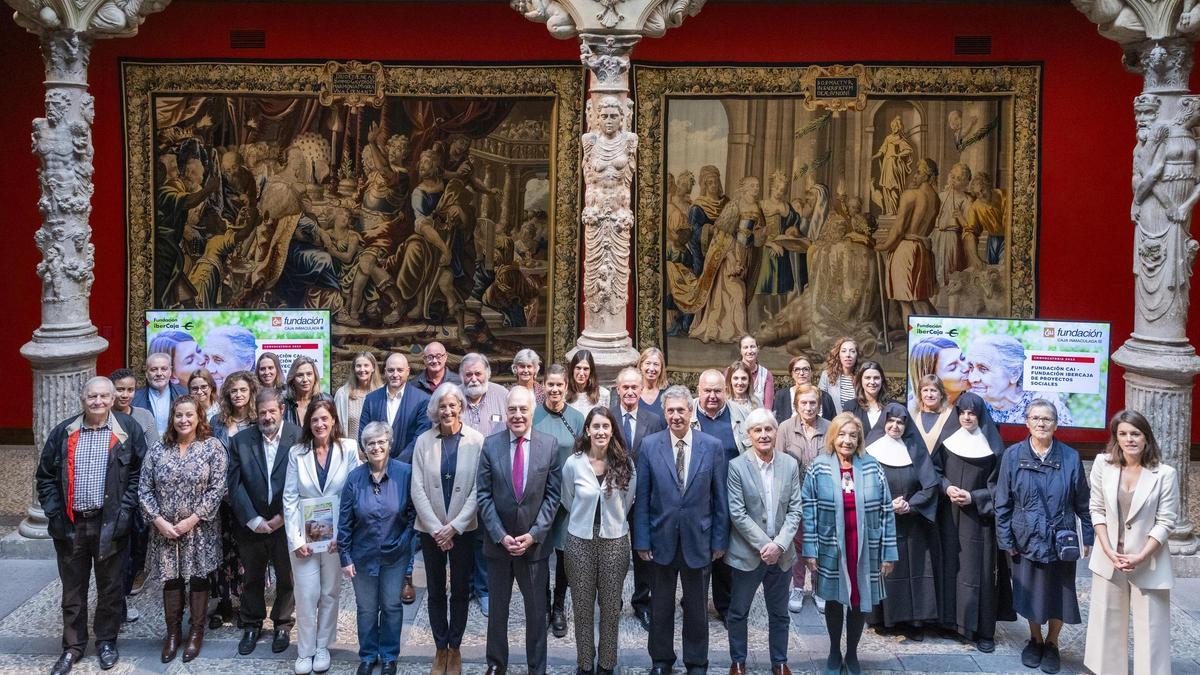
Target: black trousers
x,y
256,551
695,614
447,634
643,578
556,598
76,560
722,586
135,553
532,577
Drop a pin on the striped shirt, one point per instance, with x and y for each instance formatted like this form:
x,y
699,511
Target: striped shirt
x,y
91,465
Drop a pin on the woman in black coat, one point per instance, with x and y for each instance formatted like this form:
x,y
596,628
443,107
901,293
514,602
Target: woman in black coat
x,y
911,601
974,589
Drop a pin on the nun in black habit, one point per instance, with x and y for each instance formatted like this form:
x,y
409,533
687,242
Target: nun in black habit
x,y
975,588
911,600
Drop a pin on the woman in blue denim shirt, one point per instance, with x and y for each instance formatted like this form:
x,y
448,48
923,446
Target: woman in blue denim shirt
x,y
375,531
1042,489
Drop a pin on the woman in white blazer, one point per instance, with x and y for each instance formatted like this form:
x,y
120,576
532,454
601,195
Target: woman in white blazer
x,y
1134,504
317,469
445,460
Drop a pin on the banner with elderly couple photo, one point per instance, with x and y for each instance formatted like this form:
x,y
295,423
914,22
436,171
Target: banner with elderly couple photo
x,y
1012,362
226,341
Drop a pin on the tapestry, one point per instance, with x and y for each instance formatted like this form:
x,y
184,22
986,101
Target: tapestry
x,y
803,204
416,203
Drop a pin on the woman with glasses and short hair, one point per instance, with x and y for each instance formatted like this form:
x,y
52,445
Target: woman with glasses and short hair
x,y
1042,498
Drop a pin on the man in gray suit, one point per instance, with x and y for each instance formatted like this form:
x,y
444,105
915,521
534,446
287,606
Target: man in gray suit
x,y
764,510
518,492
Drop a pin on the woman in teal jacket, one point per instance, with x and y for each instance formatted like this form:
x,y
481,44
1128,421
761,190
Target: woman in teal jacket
x,y
849,535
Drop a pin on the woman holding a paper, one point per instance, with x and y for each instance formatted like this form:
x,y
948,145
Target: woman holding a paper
x,y
445,460
317,469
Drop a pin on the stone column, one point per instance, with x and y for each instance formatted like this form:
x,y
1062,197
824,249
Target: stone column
x,y
1160,364
64,348
608,30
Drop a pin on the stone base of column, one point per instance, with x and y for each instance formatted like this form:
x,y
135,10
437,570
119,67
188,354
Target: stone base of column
x,y
1158,383
60,369
611,351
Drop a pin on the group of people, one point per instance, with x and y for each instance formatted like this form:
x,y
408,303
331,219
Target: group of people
x,y
906,520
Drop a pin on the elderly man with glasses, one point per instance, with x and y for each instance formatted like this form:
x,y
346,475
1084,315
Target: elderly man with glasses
x,y
436,373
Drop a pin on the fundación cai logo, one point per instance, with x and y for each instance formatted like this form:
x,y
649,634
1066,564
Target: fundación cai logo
x,y
306,322
1082,334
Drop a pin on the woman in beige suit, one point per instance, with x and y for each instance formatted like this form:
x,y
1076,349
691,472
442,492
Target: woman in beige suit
x,y
445,459
1135,501
317,469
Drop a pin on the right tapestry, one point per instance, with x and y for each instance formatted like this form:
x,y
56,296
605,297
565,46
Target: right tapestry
x,y
806,204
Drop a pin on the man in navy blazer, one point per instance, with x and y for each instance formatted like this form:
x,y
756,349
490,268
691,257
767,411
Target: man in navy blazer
x,y
517,486
159,393
637,422
405,410
680,525
401,407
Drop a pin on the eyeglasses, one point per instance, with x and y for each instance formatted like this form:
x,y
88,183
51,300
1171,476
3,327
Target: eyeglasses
x,y
1040,421
435,357
802,369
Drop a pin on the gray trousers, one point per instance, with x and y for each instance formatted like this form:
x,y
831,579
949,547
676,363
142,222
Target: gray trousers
x,y
774,582
596,569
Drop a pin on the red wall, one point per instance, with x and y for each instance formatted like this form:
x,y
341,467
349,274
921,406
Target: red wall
x,y
1085,247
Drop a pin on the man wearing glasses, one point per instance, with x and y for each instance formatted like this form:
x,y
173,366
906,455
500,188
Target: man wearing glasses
x,y
435,372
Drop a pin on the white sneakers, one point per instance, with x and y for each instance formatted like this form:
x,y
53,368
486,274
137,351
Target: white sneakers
x,y
320,662
796,600
304,665
820,603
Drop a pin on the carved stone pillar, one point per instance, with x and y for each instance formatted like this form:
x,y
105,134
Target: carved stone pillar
x,y
608,30
1160,364
64,348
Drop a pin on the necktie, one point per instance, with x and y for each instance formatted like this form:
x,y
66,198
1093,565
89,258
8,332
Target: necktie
x,y
627,430
518,475
679,462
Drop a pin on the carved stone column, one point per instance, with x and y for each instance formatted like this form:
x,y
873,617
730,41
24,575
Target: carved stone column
x,y
608,30
1160,364
64,348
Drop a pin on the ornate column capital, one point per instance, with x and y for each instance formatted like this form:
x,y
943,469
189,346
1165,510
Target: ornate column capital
x,y
567,18
1129,21
607,59
98,18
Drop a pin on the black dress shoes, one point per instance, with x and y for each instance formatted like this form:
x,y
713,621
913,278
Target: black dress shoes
x,y
282,639
494,670
64,663
388,668
249,640
365,667
660,670
643,617
558,623
106,653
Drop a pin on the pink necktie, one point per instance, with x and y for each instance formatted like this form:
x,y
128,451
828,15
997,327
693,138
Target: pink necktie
x,y
519,468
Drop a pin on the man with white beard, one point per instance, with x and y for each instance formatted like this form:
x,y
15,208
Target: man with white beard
x,y
485,410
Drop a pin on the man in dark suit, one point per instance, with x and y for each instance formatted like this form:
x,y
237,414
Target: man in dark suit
x,y
258,459
159,393
637,422
87,483
401,407
681,525
405,410
518,492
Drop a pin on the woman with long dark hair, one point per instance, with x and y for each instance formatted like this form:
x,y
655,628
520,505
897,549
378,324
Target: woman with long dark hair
x,y
870,397
1135,501
303,389
597,493
269,371
182,483
237,412
584,391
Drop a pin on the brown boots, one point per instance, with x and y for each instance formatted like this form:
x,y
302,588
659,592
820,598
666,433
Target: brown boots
x,y
173,610
198,610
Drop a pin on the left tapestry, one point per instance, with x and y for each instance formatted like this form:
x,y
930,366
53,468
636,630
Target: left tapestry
x,y
416,203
